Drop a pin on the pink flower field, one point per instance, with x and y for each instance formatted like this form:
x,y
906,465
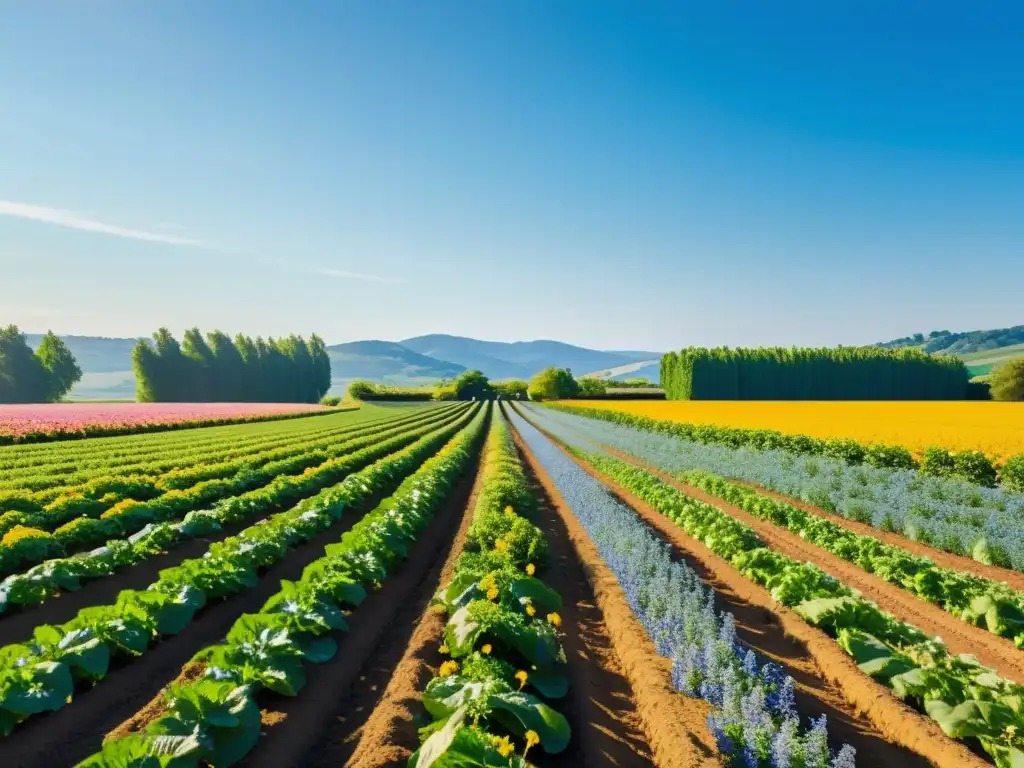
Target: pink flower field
x,y
50,418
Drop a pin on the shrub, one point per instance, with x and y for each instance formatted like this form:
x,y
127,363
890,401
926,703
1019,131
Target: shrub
x,y
975,467
331,400
1012,473
1007,380
553,384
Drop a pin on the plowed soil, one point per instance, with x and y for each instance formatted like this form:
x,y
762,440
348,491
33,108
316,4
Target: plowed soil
x,y
316,728
675,727
959,636
861,711
1014,579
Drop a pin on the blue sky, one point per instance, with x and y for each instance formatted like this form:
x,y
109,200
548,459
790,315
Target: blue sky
x,y
614,174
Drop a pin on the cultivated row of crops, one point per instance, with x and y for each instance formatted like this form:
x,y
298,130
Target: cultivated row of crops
x,y
467,584
751,533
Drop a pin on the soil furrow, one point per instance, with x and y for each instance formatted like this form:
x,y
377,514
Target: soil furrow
x,y
317,727
389,733
1014,579
74,732
861,711
675,726
959,636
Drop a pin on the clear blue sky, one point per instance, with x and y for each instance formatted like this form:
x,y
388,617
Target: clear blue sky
x,y
614,174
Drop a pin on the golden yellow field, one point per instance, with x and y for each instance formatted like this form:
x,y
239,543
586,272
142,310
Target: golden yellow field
x,y
995,428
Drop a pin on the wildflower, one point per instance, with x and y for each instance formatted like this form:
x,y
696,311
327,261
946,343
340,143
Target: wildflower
x,y
443,649
500,545
449,668
530,569
485,649
531,739
1010,731
555,620
522,677
530,610
492,593
509,510
503,745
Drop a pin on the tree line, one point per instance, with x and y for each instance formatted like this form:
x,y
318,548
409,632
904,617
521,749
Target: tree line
x,y
828,373
217,368
43,376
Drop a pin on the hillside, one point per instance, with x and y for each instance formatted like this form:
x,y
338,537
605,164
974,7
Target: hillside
x,y
520,359
107,362
961,343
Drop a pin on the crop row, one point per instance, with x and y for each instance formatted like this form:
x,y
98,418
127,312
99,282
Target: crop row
x,y
83,431
41,582
47,481
25,544
975,599
958,517
754,718
40,675
145,482
963,697
971,466
215,719
501,634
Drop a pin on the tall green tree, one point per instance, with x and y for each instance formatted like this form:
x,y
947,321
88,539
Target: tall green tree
x,y
23,379
200,366
1007,380
62,371
228,369
321,365
553,384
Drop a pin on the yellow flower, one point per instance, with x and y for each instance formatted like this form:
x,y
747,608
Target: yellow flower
x,y
509,510
555,620
530,610
443,649
522,677
530,569
503,745
1010,731
531,739
486,649
500,545
492,593
448,668
19,532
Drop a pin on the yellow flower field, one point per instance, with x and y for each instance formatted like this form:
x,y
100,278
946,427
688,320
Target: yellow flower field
x,y
997,429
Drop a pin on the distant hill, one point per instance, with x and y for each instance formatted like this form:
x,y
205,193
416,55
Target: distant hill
x,y
387,362
107,362
520,359
980,350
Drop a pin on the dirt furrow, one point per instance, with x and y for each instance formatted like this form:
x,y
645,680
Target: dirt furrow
x,y
317,727
73,733
675,726
959,636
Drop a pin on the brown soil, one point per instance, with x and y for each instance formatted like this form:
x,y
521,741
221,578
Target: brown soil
x,y
388,736
17,626
675,726
317,727
960,637
71,734
883,730
1014,579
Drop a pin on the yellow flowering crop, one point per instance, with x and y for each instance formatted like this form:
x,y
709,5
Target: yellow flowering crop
x,y
448,668
555,619
522,677
503,745
996,429
19,532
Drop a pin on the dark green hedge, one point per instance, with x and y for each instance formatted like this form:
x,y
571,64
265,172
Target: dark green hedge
x,y
839,373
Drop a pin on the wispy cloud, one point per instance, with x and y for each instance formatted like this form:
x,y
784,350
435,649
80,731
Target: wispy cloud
x,y
73,220
343,274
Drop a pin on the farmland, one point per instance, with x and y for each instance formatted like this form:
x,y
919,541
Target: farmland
x,y
476,583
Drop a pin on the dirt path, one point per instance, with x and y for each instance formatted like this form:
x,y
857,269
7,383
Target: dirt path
x,y
675,727
316,727
1014,579
959,636
71,734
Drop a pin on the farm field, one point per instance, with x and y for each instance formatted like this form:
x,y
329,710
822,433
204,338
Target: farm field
x,y
996,429
492,584
54,420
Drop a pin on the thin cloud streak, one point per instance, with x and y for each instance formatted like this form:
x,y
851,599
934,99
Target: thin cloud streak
x,y
72,220
346,275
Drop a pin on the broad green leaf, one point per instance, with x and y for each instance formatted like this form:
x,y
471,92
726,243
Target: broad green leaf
x,y
530,713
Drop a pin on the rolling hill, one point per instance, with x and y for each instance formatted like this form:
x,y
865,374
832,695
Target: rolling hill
x,y
980,350
107,367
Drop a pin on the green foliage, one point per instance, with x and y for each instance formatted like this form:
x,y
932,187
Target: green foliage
x,y
511,389
472,385
217,369
41,377
368,390
1007,380
589,387
553,384
840,373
